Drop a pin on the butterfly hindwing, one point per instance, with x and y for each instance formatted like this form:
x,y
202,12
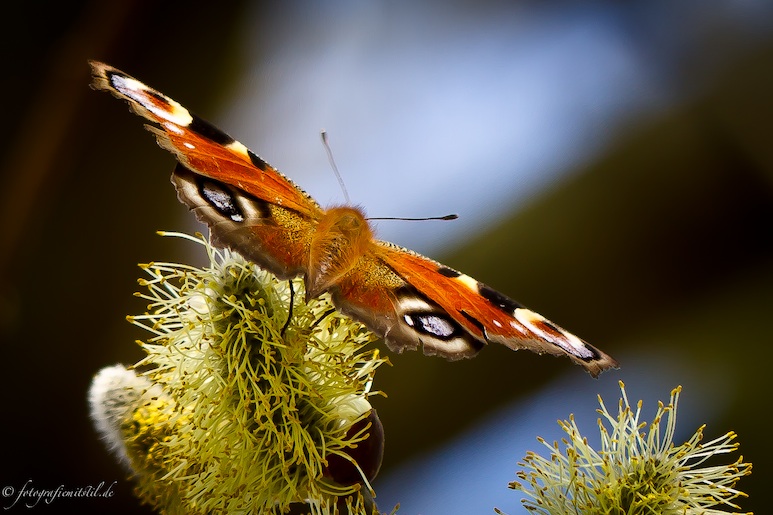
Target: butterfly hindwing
x,y
376,295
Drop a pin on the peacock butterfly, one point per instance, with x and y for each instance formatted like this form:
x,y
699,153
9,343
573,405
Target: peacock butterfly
x,y
408,299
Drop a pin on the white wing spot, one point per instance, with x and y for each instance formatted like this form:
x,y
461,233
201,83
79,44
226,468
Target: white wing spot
x,y
239,148
178,113
143,95
413,304
174,128
518,327
581,349
529,318
469,282
567,341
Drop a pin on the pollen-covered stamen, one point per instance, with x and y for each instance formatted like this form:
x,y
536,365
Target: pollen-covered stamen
x,y
642,471
285,397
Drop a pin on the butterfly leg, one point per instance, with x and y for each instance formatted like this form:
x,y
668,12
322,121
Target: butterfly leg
x,y
290,309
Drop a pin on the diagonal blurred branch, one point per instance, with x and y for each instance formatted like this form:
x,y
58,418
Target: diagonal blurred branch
x,y
32,157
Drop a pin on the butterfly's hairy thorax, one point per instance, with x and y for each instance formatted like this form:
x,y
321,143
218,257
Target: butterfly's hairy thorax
x,y
342,237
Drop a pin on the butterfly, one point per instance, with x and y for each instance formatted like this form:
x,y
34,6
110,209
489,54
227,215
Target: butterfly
x,y
407,299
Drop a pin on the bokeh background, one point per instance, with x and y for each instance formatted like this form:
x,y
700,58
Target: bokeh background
x,y
611,162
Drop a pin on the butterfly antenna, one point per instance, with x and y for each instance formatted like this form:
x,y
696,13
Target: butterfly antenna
x,y
452,216
333,165
326,144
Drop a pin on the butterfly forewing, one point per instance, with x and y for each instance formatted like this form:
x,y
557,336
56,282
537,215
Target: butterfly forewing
x,y
201,146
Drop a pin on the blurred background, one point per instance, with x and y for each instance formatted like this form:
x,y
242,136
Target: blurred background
x,y
611,163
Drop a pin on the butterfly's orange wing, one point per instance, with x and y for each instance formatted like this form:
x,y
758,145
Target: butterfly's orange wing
x,y
483,313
